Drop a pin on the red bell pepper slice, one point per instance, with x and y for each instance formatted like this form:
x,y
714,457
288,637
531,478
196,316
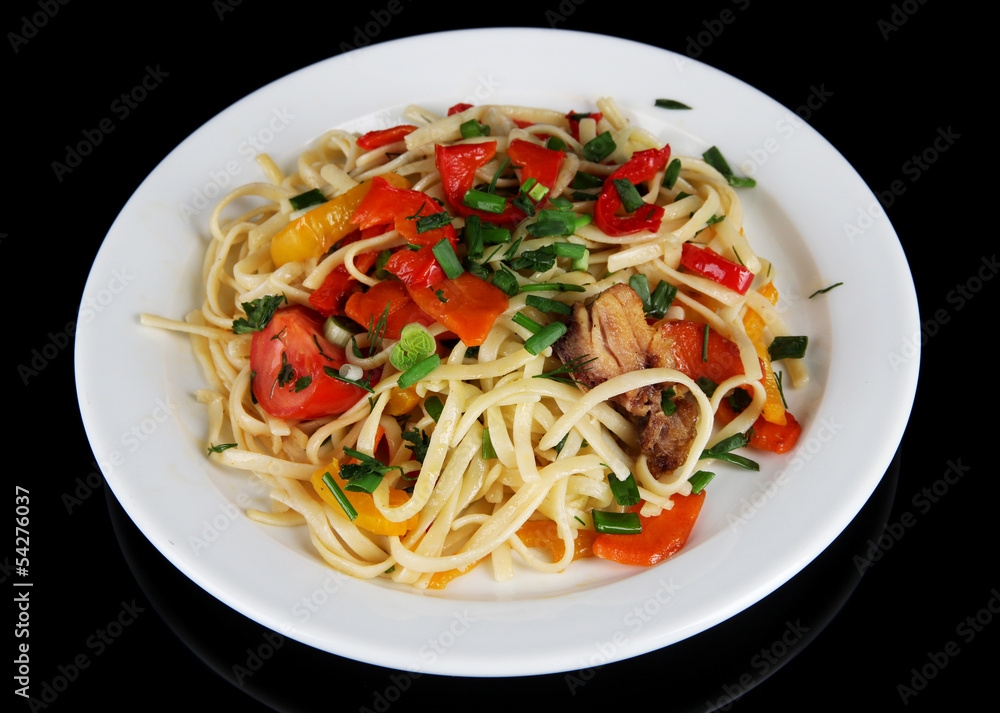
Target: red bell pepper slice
x,y
765,435
331,296
688,346
459,108
662,535
465,305
535,161
383,137
390,297
708,263
416,268
401,208
641,167
457,165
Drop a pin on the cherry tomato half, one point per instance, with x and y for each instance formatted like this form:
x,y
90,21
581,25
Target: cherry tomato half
x,y
288,358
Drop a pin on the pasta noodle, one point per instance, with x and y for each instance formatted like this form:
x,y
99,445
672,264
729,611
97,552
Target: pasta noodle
x,y
503,442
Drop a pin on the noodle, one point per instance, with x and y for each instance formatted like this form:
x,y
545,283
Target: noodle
x,y
552,446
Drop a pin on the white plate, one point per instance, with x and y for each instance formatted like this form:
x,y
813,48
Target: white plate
x,y
810,213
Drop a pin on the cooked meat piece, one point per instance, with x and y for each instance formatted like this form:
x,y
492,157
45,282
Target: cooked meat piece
x,y
614,334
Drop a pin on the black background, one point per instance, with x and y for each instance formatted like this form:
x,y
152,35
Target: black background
x,y
897,76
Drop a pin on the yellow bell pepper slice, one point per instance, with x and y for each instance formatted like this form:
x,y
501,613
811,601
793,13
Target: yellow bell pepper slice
x,y
402,401
315,232
369,518
753,323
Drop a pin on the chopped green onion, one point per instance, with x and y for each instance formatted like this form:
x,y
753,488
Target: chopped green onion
x,y
704,345
625,492
629,194
570,250
496,176
415,343
307,199
721,451
434,407
707,385
555,143
494,235
672,174
433,222
488,450
699,480
339,496
336,333
418,371
640,285
584,181
472,128
825,289
447,258
335,374
552,287
380,263
527,322
617,523
714,158
547,305
553,222
480,200
661,299
545,337
599,147
787,348
505,280
670,104
473,234
538,191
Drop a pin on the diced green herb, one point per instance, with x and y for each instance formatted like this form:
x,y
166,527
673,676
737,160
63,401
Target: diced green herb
x,y
715,159
259,313
787,347
672,174
825,289
307,199
670,104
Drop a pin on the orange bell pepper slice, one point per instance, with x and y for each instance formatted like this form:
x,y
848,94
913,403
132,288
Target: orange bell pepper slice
x,y
753,323
369,517
315,232
466,305
545,534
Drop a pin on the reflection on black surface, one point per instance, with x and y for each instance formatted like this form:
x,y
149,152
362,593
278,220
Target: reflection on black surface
x,y
715,667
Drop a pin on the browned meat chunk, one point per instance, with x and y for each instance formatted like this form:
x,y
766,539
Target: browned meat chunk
x,y
614,335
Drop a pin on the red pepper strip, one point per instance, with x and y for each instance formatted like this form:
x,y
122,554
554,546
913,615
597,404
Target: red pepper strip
x,y
708,263
574,121
466,305
401,207
459,108
391,297
415,269
662,535
383,137
763,434
641,167
331,296
535,161
688,340
457,165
